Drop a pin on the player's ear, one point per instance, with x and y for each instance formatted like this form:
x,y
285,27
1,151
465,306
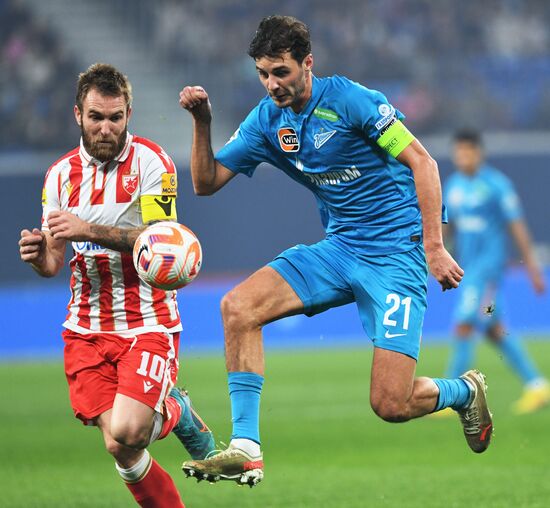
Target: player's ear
x,y
308,62
129,113
78,115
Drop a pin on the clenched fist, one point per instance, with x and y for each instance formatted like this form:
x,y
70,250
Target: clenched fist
x,y
195,100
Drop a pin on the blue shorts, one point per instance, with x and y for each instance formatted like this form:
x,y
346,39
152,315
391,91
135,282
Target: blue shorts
x,y
390,291
479,301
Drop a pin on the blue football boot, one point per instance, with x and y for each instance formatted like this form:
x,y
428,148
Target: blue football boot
x,y
191,430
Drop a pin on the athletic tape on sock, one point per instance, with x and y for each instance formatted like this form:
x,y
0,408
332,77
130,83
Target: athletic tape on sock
x,y
137,471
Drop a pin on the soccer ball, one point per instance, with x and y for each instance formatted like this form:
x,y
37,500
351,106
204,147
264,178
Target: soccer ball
x,y
167,255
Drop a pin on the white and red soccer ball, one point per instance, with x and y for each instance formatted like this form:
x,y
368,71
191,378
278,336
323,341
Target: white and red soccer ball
x,y
167,255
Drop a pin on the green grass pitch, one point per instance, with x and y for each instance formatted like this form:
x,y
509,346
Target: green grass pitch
x,y
323,446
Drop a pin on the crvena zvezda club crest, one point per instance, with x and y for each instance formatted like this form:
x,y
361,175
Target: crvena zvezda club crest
x,y
130,183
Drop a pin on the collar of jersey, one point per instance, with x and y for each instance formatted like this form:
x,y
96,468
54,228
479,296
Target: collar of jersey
x,y
317,87
121,157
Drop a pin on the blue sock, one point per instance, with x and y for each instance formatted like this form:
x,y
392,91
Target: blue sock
x,y
454,393
517,357
461,356
245,389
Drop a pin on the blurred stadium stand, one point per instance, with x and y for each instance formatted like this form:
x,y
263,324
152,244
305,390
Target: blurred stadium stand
x,y
445,64
36,83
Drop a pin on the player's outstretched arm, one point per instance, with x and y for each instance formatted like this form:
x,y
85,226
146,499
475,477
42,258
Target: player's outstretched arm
x,y
42,251
522,238
67,226
428,188
208,175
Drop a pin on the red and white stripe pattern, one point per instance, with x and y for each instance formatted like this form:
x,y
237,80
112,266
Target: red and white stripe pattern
x,y
107,295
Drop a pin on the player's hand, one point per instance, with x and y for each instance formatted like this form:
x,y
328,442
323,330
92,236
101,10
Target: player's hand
x,y
444,268
195,100
67,226
32,245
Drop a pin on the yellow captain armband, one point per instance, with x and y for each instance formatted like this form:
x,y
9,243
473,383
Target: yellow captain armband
x,y
395,138
158,208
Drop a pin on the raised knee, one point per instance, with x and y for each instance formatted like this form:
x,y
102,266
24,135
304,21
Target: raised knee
x,y
136,438
495,334
113,447
390,410
464,331
235,310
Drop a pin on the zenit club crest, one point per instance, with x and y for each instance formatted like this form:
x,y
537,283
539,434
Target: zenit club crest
x,y
288,139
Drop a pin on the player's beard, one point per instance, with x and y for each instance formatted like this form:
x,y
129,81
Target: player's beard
x,y
293,93
104,149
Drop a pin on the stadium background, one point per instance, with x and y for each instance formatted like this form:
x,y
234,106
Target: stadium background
x,y
445,64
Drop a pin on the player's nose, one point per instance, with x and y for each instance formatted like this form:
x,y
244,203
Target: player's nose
x,y
105,129
272,84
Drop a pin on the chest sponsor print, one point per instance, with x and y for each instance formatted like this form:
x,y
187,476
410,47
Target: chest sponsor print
x,y
288,139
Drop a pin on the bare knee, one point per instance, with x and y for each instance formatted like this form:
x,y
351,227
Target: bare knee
x,y
114,448
130,436
390,410
124,456
238,311
464,331
495,333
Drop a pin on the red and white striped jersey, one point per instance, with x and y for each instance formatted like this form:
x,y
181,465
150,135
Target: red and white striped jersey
x,y
107,295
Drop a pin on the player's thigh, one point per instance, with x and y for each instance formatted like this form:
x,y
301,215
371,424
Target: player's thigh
x,y
392,377
91,377
263,297
131,421
390,292
120,452
146,372
318,275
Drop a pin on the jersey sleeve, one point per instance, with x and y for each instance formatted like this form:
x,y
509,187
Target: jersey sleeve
x,y
371,113
50,196
509,202
245,149
159,188
445,191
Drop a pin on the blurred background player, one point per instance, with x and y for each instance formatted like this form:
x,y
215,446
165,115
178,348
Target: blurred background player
x,y
379,195
484,210
121,335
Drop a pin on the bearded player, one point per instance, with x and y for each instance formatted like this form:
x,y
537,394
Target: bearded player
x,y
121,335
379,195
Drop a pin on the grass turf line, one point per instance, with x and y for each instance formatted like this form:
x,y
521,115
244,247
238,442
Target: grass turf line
x,y
322,444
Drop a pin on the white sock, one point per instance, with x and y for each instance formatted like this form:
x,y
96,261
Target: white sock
x,y
247,446
540,382
135,473
158,420
472,389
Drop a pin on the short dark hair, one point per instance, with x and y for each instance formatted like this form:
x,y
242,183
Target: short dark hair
x,y
277,35
468,136
107,80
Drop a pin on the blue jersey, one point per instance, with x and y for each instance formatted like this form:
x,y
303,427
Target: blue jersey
x,y
480,207
365,196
